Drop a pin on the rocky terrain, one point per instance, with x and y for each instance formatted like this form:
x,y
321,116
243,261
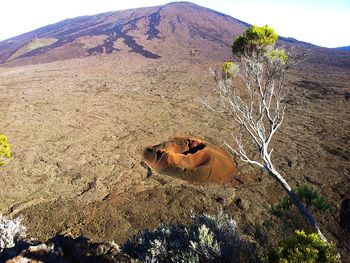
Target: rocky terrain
x,y
82,98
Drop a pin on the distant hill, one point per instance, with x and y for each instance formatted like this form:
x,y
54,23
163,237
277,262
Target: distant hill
x,y
343,48
178,29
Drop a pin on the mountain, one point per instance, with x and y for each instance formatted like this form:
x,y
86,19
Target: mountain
x,y
179,28
179,31
343,48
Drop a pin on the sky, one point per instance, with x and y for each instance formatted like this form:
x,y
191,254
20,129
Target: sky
x,y
321,22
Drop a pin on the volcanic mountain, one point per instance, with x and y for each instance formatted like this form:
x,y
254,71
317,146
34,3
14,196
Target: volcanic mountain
x,y
176,31
182,29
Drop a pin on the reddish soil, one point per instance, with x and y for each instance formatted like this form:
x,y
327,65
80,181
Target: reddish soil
x,y
192,160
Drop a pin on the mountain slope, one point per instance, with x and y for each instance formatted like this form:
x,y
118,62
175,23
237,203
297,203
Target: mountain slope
x,y
343,48
179,29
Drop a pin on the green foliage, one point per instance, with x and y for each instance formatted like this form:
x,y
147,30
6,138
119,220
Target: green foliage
x,y
207,239
5,152
279,54
284,204
229,69
254,39
302,247
312,198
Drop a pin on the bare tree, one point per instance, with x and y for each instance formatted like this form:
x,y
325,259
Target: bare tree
x,y
251,92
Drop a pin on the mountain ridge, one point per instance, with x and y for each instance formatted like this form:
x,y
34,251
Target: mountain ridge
x,y
347,48
117,26
177,31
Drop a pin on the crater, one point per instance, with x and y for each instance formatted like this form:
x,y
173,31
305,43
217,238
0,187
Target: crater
x,y
192,160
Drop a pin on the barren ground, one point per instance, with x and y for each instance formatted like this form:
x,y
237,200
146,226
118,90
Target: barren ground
x,y
77,131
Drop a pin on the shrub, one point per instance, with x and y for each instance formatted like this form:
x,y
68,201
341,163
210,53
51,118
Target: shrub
x,y
207,239
311,197
11,231
279,54
284,204
302,247
229,69
5,152
254,39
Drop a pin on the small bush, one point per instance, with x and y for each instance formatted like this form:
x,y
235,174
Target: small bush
x,y
11,231
284,204
255,38
5,152
302,247
229,70
279,54
312,198
207,239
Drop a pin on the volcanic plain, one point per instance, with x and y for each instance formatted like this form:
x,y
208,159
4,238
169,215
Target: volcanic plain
x,y
78,127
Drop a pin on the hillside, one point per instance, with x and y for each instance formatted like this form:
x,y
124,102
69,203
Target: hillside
x,y
178,29
343,48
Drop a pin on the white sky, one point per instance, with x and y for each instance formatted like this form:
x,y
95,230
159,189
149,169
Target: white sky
x,y
321,22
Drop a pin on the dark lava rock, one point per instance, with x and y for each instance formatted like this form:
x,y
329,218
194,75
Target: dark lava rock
x,y
66,249
345,214
240,204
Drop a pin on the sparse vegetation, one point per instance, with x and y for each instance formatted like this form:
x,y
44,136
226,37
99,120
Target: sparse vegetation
x,y
302,247
207,239
312,199
11,232
33,45
278,209
5,152
228,69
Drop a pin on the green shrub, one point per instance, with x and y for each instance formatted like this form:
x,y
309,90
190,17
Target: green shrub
x,y
311,198
254,39
279,54
5,152
301,247
284,204
207,239
229,69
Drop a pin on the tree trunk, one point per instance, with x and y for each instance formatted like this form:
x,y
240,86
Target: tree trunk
x,y
295,199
